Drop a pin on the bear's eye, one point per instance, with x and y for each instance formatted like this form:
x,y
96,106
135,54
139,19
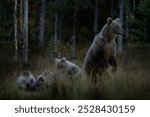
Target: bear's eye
x,y
73,69
62,60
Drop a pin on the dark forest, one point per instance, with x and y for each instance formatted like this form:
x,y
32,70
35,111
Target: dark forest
x,y
35,32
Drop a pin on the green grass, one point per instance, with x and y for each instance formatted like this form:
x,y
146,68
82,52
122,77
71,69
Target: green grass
x,y
131,81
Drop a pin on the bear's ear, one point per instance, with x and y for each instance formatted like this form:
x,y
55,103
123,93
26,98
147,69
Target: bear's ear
x,y
118,20
46,73
109,20
26,73
63,59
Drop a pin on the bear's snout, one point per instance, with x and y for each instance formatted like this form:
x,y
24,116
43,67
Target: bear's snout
x,y
121,31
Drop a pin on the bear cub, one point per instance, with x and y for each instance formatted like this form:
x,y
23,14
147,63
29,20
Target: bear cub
x,y
65,66
26,81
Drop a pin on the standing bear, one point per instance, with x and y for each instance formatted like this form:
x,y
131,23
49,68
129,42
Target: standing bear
x,y
102,52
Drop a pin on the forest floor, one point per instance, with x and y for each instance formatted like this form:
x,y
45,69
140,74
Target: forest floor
x,y
131,81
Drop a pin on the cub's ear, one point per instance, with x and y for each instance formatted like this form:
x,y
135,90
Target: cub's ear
x,y
109,20
46,73
63,59
118,20
26,73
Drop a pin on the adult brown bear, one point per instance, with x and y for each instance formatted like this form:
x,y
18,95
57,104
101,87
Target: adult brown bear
x,y
103,50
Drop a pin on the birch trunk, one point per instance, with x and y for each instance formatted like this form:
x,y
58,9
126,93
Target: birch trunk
x,y
25,33
42,24
21,15
126,22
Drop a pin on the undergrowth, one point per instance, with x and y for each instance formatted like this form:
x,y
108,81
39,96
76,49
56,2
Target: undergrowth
x,y
131,81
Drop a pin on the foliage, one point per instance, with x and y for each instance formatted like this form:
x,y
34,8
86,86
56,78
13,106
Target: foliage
x,y
54,49
144,8
140,23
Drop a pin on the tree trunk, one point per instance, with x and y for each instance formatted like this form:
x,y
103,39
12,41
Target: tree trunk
x,y
126,21
56,29
120,37
15,29
133,7
112,9
25,33
73,38
60,14
42,24
96,17
21,15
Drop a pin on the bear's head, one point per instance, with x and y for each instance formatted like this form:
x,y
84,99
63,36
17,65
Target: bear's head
x,y
61,63
115,26
26,81
39,81
43,78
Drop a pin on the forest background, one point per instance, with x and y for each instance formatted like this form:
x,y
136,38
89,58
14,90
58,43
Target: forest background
x,y
34,32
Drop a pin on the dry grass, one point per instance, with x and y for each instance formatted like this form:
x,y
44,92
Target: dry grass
x,y
131,81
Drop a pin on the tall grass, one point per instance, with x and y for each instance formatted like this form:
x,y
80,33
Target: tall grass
x,y
131,81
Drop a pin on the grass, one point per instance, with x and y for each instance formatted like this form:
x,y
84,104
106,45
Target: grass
x,y
131,81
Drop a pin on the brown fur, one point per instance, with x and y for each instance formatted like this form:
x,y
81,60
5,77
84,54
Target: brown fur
x,y
102,52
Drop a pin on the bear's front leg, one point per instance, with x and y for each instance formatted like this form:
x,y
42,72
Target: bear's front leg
x,y
112,61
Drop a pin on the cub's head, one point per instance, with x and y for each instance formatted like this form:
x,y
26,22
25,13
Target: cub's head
x,y
42,79
26,81
60,64
115,26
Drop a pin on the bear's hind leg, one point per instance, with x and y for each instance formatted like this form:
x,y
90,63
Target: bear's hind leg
x,y
112,61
